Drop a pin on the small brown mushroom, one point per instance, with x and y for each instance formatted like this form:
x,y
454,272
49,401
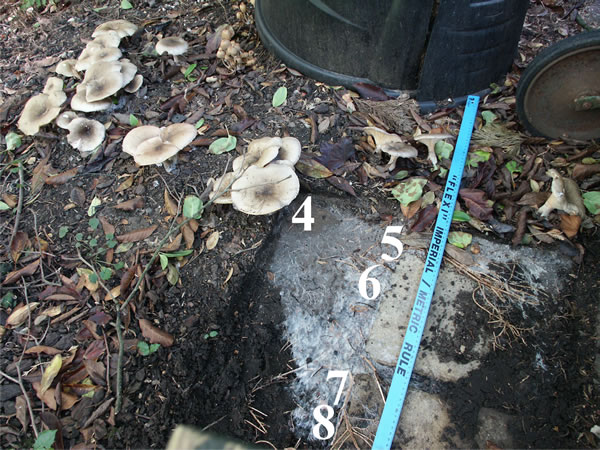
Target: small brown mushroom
x,y
565,196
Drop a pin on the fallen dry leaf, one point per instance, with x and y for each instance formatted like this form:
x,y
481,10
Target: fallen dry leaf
x,y
43,349
131,205
188,236
10,199
50,373
411,209
212,240
170,205
20,314
155,335
174,245
40,173
125,184
19,243
21,411
49,398
137,235
106,226
570,225
29,269
62,177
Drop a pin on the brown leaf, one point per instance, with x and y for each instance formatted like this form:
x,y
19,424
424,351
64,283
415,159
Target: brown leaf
x,y
131,205
583,171
570,225
155,335
521,226
78,196
476,203
62,178
40,173
106,226
137,235
312,168
95,350
342,184
170,205
19,243
50,373
48,397
425,218
194,225
536,199
21,411
188,236
10,199
125,184
20,314
43,349
174,245
96,370
127,278
15,275
53,423
411,209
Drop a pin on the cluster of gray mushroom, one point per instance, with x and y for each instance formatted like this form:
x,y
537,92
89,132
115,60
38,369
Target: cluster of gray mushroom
x,y
263,179
104,74
230,51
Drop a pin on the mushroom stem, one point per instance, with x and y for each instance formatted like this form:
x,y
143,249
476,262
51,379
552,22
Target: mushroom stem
x,y
171,165
392,164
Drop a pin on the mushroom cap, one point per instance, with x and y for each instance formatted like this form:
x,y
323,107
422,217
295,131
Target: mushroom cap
x,y
227,32
92,55
178,134
66,68
134,85
290,150
85,134
39,110
128,70
218,187
264,190
136,136
431,139
53,89
107,39
80,103
120,26
102,80
381,137
400,150
173,45
261,159
65,118
154,151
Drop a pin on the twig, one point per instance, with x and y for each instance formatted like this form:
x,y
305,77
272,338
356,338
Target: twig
x,y
19,208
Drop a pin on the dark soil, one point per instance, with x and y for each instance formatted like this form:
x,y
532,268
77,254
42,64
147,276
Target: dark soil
x,y
218,382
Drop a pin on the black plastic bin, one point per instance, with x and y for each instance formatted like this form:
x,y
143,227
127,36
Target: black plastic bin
x,y
435,49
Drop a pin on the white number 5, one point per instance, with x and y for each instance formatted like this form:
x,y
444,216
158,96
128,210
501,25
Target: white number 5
x,y
395,242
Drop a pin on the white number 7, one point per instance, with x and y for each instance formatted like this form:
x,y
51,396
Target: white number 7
x,y
395,242
343,374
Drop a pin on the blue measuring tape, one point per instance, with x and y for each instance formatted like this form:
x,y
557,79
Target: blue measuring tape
x,y
416,325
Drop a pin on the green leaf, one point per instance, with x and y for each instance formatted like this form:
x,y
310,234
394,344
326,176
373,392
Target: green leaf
x,y
8,300
93,278
125,4
189,70
443,172
172,274
213,334
93,223
513,167
427,199
488,117
62,231
154,347
95,203
460,216
13,140
111,244
280,96
192,207
199,123
474,158
93,242
119,265
79,236
589,161
223,145
109,236
106,273
409,191
4,206
124,247
443,150
164,260
459,239
133,121
591,200
179,253
143,348
45,440
401,175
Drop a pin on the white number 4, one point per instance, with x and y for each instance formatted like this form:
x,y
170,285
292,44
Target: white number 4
x,y
307,219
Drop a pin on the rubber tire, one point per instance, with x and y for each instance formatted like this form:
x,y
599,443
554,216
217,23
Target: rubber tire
x,y
545,58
